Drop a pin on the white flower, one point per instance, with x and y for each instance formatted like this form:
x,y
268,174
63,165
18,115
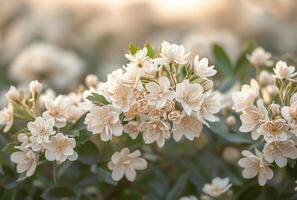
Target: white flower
x,y
35,87
290,113
60,148
41,129
210,106
104,121
172,53
217,187
255,165
283,71
26,161
202,69
189,126
91,80
6,117
12,94
276,130
132,128
132,76
156,130
139,57
189,95
252,118
126,163
159,94
246,96
279,151
260,57
188,198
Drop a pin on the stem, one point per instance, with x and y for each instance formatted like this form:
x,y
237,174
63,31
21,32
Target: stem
x,y
55,172
171,72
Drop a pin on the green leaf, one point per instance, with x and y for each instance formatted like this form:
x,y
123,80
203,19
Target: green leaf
x,y
10,147
58,193
178,187
88,153
79,124
98,99
221,60
133,49
150,50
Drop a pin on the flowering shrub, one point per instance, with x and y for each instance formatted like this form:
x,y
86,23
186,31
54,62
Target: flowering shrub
x,y
159,117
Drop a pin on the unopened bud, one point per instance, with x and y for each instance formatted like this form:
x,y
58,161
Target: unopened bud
x,y
91,80
207,85
230,154
231,121
12,94
275,109
22,137
35,87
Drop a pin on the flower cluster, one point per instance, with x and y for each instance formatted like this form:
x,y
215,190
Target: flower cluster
x,y
272,124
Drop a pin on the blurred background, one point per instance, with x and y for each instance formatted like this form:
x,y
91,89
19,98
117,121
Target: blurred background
x,y
60,41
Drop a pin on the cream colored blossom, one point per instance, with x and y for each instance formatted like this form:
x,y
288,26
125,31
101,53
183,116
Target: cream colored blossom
x,y
189,95
57,108
260,58
279,151
255,165
276,130
91,80
60,148
26,161
132,128
173,53
41,129
283,71
175,116
252,118
290,113
6,117
126,163
246,96
217,187
104,121
12,94
156,131
139,57
35,87
159,93
202,69
188,126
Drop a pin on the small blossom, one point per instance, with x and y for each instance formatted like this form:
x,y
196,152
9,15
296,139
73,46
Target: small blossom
x,y
279,151
12,94
290,113
217,187
246,96
139,57
275,109
231,154
6,117
132,128
188,126
255,165
35,87
91,80
26,161
189,95
156,130
60,148
172,53
175,116
231,121
207,85
283,71
202,69
41,129
126,163
259,57
159,94
104,121
276,130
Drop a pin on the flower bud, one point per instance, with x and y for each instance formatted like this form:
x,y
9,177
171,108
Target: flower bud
x,y
275,109
230,154
231,121
207,85
91,80
35,87
12,94
22,137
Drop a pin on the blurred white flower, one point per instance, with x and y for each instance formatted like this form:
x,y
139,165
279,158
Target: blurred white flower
x,y
189,95
35,87
246,96
159,94
91,80
276,130
57,108
60,148
104,121
202,69
12,94
156,131
26,161
230,154
41,129
188,198
6,117
283,71
252,118
173,53
255,165
45,96
217,187
188,126
126,163
279,151
260,58
139,57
